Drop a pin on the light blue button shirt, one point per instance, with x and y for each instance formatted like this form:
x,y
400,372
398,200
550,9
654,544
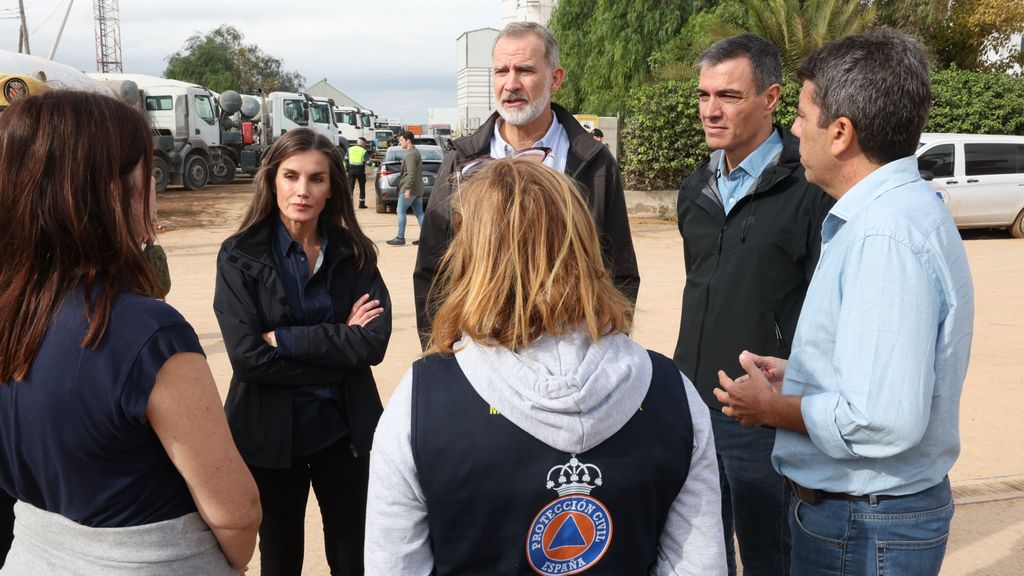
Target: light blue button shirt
x,y
738,183
881,348
555,138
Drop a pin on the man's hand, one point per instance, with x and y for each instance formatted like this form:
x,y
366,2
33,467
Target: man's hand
x,y
364,310
408,195
773,368
748,398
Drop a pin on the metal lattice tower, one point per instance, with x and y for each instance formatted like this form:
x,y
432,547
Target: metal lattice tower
x,y
108,36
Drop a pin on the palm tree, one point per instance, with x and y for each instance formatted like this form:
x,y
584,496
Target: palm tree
x,y
798,27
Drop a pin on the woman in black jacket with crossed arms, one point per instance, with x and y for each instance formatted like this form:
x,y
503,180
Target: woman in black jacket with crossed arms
x,y
304,313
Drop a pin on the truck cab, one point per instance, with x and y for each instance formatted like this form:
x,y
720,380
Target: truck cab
x,y
347,119
184,118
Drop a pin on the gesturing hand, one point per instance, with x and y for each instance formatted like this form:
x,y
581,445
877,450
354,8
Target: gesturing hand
x,y
364,310
773,368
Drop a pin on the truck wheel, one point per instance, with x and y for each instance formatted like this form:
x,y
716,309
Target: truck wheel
x,y
196,174
382,208
223,172
161,173
1017,230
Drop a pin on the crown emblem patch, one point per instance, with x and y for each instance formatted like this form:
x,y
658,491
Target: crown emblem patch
x,y
572,533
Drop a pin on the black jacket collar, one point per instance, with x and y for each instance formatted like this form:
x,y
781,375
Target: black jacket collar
x,y
256,243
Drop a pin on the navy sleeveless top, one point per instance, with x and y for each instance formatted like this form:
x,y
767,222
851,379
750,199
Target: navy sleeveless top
x,y
74,439
499,501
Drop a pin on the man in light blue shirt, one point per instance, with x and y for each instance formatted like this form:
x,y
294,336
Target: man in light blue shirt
x,y
737,183
869,402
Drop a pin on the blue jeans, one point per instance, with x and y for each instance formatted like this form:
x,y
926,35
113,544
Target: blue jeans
x,y
902,536
755,498
417,208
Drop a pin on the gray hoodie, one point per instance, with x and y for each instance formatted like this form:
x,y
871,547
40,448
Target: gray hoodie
x,y
569,393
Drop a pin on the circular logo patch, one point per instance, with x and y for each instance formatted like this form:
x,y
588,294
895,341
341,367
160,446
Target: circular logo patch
x,y
15,89
568,535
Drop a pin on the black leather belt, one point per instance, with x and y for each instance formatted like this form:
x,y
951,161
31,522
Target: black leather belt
x,y
813,496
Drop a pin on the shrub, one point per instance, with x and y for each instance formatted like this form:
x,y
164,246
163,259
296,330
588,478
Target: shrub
x,y
976,103
663,140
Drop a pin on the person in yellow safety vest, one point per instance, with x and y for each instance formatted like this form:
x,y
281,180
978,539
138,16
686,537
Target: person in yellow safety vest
x,y
358,156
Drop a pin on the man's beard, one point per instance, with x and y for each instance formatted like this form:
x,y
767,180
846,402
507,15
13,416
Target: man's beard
x,y
533,109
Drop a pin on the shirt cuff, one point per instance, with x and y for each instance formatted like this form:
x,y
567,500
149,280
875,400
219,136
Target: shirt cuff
x,y
284,341
819,413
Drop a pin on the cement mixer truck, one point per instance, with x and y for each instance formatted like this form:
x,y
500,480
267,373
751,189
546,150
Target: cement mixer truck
x,y
186,120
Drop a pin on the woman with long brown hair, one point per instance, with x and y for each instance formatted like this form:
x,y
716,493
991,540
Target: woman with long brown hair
x,y
535,437
112,436
305,314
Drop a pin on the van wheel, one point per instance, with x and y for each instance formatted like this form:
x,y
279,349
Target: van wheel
x,y
161,173
1017,230
196,174
223,172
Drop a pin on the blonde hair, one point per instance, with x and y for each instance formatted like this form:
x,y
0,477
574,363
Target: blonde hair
x,y
525,261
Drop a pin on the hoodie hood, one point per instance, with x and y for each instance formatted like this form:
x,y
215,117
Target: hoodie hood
x,y
567,391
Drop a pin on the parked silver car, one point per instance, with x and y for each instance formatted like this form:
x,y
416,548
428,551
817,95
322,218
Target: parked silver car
x,y
390,169
980,178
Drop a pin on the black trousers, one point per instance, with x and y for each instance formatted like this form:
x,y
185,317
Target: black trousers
x,y
339,480
6,524
359,177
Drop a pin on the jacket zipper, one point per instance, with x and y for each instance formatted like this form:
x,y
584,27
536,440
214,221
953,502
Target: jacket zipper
x,y
707,304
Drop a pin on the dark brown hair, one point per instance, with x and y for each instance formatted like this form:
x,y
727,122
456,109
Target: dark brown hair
x,y
67,160
339,214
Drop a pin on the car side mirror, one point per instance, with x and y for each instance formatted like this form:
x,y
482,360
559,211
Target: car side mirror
x,y
927,175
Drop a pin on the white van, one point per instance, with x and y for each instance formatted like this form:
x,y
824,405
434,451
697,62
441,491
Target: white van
x,y
980,178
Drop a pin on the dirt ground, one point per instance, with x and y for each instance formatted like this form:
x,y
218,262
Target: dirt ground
x,y
988,480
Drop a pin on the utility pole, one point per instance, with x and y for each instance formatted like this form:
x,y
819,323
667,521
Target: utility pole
x,y
60,31
108,36
23,38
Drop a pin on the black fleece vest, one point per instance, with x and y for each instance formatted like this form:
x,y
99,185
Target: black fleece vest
x,y
499,501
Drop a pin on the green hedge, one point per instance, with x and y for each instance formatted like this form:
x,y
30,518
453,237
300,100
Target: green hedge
x,y
662,140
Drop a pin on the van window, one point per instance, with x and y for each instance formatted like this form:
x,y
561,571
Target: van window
x,y
204,108
938,161
994,158
154,103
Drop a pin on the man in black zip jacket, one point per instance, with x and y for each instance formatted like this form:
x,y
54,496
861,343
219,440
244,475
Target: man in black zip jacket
x,y
751,227
526,74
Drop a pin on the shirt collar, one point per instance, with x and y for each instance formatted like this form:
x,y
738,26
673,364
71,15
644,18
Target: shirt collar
x,y
549,140
878,182
756,162
286,244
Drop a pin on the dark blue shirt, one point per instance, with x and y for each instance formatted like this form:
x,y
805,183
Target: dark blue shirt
x,y
74,439
317,420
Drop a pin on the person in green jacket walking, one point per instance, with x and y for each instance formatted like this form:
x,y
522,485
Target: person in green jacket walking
x,y
410,187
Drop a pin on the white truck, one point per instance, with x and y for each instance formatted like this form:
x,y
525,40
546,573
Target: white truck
x,y
185,119
347,119
284,111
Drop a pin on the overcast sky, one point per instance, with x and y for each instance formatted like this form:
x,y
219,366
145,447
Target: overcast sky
x,y
406,62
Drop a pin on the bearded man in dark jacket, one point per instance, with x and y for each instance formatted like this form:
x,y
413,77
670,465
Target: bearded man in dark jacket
x,y
526,73
751,227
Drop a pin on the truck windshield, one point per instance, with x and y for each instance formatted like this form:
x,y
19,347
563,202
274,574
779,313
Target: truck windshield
x,y
365,118
343,117
159,103
295,110
320,114
204,108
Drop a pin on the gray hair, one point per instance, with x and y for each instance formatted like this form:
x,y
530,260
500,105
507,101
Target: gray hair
x,y
763,55
519,29
879,80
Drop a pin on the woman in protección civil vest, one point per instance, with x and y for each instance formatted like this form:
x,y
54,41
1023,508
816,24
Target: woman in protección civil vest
x,y
535,437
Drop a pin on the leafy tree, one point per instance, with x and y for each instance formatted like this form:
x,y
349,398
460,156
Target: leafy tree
x,y
220,60
606,46
970,34
677,60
